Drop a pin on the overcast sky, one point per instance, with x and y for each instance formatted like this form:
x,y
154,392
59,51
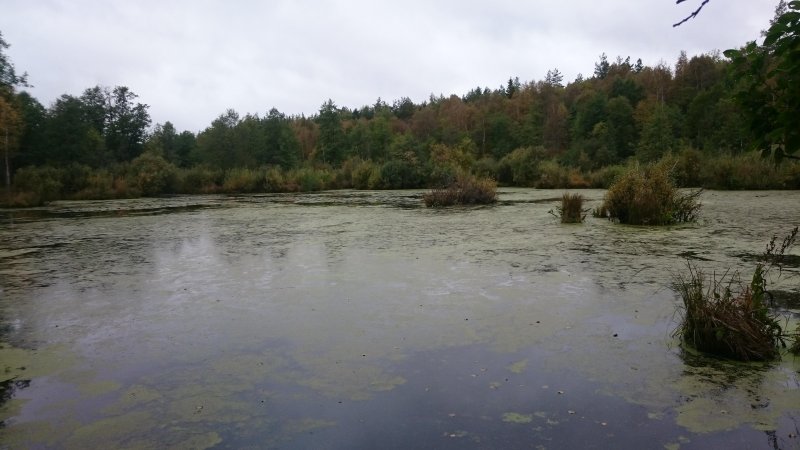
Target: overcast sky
x,y
190,60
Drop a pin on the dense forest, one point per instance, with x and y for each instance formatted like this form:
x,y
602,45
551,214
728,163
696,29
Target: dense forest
x,y
708,113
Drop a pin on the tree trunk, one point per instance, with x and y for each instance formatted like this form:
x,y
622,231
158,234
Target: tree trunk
x,y
8,169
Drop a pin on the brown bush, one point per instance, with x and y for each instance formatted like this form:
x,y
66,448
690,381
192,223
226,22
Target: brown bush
x,y
465,190
647,195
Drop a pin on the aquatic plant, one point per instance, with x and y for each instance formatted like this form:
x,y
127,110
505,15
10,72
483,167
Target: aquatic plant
x,y
600,212
727,317
571,209
647,195
795,347
465,190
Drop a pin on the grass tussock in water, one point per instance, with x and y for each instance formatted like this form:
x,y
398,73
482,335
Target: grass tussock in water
x,y
647,195
465,190
726,317
571,209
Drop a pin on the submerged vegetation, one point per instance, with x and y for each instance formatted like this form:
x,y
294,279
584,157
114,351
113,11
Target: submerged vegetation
x,y
571,209
647,195
727,317
464,190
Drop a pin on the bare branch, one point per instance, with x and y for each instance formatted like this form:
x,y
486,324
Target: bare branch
x,y
690,16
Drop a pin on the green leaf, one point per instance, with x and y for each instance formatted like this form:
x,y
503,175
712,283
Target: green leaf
x,y
786,18
774,34
732,54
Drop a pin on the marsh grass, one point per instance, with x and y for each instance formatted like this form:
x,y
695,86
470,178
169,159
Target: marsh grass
x,y
465,190
795,347
647,195
600,212
726,317
571,209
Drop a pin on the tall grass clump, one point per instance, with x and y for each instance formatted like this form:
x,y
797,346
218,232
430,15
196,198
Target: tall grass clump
x,y
647,195
729,318
465,190
571,209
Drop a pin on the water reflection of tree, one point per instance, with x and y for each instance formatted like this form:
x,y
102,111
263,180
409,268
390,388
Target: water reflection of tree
x,y
8,387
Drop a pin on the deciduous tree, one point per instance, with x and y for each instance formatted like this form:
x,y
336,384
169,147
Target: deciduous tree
x,y
768,85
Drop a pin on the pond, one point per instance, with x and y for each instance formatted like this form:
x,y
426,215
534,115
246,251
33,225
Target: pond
x,y
352,319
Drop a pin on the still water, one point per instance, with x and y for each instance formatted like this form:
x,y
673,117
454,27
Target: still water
x,y
353,319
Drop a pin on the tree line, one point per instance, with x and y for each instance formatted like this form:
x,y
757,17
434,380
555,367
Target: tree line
x,y
546,133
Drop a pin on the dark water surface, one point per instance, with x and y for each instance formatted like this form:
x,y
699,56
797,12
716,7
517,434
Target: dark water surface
x,y
362,320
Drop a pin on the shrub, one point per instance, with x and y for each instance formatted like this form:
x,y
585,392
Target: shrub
x,y
355,173
604,177
465,190
571,209
400,174
441,176
20,200
309,180
75,177
199,179
521,167
362,174
486,168
790,175
746,171
306,179
648,196
99,185
688,167
40,184
552,175
274,180
152,175
243,180
728,318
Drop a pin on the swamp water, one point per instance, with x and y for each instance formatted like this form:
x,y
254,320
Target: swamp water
x,y
349,320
